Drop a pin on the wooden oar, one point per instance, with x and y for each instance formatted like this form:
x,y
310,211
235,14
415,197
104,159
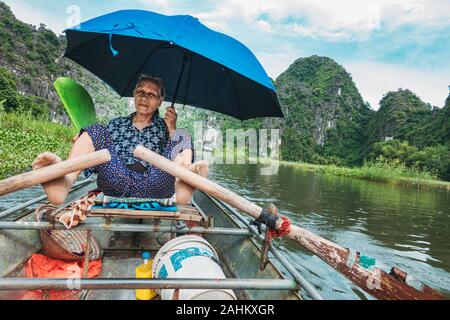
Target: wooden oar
x,y
52,172
372,280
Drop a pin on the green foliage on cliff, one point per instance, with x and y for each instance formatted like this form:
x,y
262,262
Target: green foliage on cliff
x,y
420,133
325,114
399,115
14,101
326,122
29,57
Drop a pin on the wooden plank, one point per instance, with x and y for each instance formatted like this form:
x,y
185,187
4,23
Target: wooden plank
x,y
183,213
121,213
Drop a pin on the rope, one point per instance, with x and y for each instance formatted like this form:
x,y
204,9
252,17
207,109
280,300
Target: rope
x,y
284,230
44,215
79,211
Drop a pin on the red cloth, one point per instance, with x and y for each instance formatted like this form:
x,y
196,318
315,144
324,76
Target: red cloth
x,y
40,266
283,231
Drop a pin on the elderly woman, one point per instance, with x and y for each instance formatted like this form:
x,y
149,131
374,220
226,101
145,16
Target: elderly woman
x,y
125,175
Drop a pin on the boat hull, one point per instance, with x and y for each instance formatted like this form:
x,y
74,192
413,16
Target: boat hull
x,y
239,255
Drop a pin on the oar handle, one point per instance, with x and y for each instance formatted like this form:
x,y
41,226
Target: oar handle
x,y
198,181
52,172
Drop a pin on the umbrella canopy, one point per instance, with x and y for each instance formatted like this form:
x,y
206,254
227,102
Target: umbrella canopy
x,y
200,67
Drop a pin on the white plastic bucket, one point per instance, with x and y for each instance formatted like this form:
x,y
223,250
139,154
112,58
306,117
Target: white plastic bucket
x,y
189,257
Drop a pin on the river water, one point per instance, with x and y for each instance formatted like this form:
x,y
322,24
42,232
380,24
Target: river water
x,y
397,226
403,227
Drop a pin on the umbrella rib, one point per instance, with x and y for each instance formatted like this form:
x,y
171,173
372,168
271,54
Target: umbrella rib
x,y
235,94
140,67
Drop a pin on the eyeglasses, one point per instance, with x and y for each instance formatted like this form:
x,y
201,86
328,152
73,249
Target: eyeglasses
x,y
148,95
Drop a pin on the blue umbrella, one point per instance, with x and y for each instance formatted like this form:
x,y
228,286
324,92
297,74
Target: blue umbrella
x,y
200,67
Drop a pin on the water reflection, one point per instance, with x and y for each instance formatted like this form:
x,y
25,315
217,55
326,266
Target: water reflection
x,y
402,227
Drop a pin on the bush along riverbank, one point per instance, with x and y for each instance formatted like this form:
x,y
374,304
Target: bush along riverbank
x,y
384,172
24,136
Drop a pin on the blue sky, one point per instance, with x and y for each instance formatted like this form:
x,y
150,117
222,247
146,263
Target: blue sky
x,y
384,44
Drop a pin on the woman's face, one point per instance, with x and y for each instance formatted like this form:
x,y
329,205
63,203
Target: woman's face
x,y
147,98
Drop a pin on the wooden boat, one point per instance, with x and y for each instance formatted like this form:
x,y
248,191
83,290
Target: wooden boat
x,y
238,245
255,269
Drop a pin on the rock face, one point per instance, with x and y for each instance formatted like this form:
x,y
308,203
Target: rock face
x,y
31,55
400,113
433,129
404,116
325,114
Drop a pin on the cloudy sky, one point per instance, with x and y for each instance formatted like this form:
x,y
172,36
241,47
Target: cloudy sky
x,y
384,44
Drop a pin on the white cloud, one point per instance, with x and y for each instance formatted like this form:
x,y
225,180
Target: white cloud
x,y
264,26
359,15
277,61
375,79
161,6
338,20
298,30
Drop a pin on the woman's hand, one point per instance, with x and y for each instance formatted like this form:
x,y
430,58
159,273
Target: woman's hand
x,y
170,119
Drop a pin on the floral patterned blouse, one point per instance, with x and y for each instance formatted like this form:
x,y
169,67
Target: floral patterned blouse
x,y
125,137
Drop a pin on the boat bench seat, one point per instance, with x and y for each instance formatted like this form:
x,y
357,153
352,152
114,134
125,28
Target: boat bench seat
x,y
186,213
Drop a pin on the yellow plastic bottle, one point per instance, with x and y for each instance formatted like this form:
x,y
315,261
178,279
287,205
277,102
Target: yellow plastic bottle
x,y
144,271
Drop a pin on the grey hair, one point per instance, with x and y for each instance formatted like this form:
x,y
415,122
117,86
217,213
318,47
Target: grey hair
x,y
158,81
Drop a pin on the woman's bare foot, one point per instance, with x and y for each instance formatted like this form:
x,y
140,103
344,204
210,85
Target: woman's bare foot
x,y
183,190
45,159
57,189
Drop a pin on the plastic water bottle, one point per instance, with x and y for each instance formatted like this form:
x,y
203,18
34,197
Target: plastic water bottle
x,y
144,271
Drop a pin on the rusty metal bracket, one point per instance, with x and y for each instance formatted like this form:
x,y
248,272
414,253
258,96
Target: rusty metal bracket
x,y
267,241
138,236
211,222
114,240
265,251
87,254
108,220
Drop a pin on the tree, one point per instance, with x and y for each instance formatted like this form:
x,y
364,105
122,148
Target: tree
x,y
8,91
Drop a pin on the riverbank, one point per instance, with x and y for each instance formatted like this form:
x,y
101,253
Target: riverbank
x,y
23,137
378,172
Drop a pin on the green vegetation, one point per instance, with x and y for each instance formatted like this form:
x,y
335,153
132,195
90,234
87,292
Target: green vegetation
x,y
325,114
408,132
399,114
24,136
378,172
14,101
326,122
434,160
30,55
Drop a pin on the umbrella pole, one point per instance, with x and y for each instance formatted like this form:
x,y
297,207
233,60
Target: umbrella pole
x,y
177,88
